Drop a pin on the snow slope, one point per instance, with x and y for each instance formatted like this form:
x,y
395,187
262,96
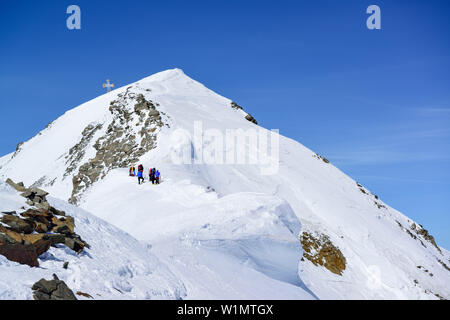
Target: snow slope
x,y
100,271
230,223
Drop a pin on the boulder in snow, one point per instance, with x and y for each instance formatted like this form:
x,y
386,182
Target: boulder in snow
x,y
52,290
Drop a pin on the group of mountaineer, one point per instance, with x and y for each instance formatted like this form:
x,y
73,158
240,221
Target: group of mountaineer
x,y
153,175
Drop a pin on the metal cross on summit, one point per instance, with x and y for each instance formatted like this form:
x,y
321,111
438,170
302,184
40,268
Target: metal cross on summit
x,y
108,85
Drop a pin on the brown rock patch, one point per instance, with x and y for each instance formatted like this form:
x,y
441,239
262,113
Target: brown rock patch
x,y
322,252
24,236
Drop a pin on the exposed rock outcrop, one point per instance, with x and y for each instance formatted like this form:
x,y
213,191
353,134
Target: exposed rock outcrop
x,y
446,267
322,252
77,152
17,224
421,231
52,290
25,236
130,135
17,186
321,158
84,294
379,205
18,252
234,105
418,232
377,201
18,149
248,117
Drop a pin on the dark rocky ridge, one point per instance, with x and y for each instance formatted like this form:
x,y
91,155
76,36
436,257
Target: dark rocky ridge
x,y
418,232
248,117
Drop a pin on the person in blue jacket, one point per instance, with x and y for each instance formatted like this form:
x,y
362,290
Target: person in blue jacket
x,y
140,177
157,176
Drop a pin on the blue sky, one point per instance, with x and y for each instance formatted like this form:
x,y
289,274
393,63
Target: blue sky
x,y
376,103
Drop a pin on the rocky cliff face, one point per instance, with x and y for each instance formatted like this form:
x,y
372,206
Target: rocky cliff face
x,y
131,133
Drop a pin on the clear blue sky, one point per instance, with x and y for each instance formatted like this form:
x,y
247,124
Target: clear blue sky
x,y
376,103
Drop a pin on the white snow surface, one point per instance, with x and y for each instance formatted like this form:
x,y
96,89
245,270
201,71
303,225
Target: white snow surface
x,y
224,230
117,266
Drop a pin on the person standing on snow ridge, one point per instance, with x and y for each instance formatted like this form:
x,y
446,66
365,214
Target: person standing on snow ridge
x,y
140,177
157,176
151,176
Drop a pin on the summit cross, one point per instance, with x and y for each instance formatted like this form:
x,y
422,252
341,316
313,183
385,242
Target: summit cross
x,y
108,85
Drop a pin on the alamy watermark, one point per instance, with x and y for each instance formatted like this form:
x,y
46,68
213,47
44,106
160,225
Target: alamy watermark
x,y
73,22
254,146
374,20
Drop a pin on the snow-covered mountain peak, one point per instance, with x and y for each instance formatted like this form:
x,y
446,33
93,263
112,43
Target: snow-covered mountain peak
x,y
167,74
228,217
169,79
